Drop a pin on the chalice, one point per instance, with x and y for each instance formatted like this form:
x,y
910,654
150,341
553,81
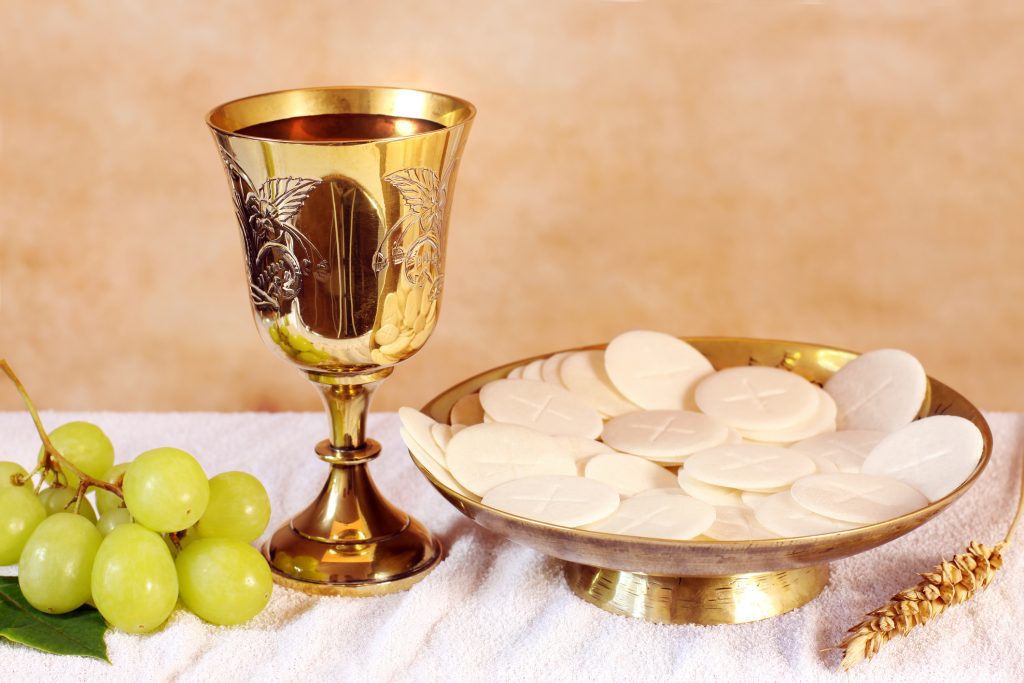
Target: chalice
x,y
343,197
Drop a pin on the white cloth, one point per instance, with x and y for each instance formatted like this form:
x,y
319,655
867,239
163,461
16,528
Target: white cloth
x,y
493,610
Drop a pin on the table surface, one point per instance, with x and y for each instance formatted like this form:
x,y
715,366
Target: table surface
x,y
497,611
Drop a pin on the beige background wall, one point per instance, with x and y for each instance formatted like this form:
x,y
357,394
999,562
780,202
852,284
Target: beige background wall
x,y
844,172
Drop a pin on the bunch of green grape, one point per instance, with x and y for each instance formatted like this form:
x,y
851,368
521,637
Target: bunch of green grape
x,y
175,534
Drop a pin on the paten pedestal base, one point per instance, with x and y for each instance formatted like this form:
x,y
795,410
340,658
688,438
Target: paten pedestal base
x,y
697,599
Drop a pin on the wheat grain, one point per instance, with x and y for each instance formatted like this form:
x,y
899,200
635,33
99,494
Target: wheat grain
x,y
949,584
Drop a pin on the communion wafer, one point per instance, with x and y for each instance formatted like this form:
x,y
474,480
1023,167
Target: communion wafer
x,y
839,451
935,454
754,498
391,316
583,373
654,370
737,523
550,369
540,406
436,469
532,370
880,390
664,435
566,501
749,466
780,514
627,474
669,516
861,498
709,493
467,411
757,398
769,491
667,491
441,434
581,448
418,426
485,455
823,420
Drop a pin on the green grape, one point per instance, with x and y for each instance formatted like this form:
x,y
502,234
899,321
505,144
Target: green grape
x,y
166,490
86,446
55,569
105,500
223,581
239,508
56,500
20,514
134,584
8,470
111,519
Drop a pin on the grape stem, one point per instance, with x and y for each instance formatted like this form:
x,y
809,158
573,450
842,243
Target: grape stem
x,y
52,460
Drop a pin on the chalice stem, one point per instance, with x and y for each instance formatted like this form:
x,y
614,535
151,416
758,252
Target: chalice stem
x,y
347,408
350,539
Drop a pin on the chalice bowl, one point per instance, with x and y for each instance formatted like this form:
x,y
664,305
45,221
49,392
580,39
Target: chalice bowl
x,y
343,196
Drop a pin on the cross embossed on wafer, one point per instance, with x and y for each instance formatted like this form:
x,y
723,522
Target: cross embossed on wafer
x,y
838,446
550,497
866,399
841,498
656,432
540,408
525,460
634,523
755,462
917,463
754,395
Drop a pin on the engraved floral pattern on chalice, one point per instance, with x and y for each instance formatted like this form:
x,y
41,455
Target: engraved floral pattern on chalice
x,y
414,244
278,255
425,197
263,216
278,272
410,312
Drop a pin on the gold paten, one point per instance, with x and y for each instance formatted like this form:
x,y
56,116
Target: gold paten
x,y
344,246
705,581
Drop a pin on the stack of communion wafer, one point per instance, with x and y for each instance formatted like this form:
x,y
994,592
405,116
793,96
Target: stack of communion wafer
x,y
647,439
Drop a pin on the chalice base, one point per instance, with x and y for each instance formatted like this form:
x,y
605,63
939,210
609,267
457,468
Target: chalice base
x,y
733,599
351,541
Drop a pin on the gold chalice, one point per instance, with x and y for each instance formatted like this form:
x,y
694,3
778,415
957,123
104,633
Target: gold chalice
x,y
343,197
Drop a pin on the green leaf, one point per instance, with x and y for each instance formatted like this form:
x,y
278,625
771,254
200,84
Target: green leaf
x,y
76,633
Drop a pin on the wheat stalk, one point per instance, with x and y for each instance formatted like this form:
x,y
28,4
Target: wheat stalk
x,y
950,583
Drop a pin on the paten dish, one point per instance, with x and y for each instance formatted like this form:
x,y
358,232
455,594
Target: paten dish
x,y
703,581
